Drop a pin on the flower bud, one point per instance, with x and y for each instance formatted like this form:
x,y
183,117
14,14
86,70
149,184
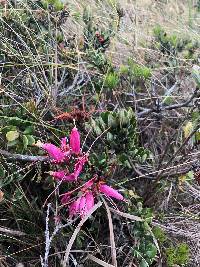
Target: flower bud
x,y
110,192
54,152
75,142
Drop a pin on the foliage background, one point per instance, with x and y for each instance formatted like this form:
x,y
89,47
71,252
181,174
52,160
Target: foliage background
x,y
139,81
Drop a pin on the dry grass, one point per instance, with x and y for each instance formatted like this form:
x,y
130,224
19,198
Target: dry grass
x,y
134,37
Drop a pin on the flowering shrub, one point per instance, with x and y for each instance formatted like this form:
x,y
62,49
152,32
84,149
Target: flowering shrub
x,y
81,199
121,137
64,60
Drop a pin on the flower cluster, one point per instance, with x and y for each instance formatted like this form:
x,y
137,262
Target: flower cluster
x,y
84,200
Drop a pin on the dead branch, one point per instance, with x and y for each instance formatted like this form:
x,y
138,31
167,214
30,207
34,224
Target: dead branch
x,y
20,157
171,107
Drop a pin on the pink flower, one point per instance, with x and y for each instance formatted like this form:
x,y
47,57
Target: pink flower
x,y
82,206
77,169
110,192
74,208
54,152
86,203
63,144
79,166
61,176
89,183
89,200
75,143
70,177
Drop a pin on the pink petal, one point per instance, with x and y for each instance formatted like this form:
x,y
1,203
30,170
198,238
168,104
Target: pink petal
x,y
54,152
79,166
65,198
71,177
89,200
110,192
74,208
75,143
63,144
77,170
82,207
59,175
88,184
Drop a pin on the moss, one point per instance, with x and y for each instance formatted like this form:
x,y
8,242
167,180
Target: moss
x,y
159,234
177,255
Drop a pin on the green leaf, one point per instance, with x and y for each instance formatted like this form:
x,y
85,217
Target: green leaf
x,y
58,5
101,123
12,135
111,80
143,263
13,143
16,121
45,4
29,130
8,128
151,251
31,140
123,118
2,172
17,195
123,69
104,116
97,130
25,141
93,123
190,175
111,121
109,137
130,114
144,157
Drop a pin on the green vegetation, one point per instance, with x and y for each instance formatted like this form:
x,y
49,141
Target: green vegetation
x,y
131,88
178,255
121,137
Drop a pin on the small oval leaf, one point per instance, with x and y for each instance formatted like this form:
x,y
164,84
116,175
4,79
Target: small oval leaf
x,y
12,135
